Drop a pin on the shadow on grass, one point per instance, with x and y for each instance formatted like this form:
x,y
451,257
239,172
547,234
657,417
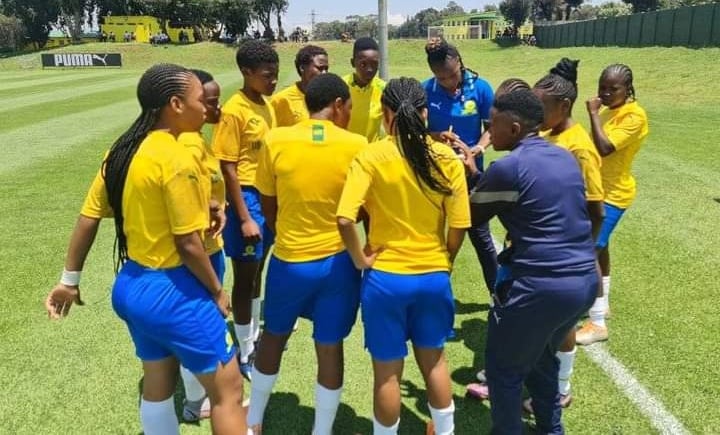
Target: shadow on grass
x,y
285,415
462,308
473,334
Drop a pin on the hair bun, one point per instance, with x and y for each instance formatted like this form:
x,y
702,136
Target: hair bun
x,y
566,69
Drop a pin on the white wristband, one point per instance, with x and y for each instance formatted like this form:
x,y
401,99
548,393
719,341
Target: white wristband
x,y
70,278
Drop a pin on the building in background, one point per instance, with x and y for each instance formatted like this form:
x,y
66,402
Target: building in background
x,y
485,25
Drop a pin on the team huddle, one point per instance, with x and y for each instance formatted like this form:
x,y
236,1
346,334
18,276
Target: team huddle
x,y
289,182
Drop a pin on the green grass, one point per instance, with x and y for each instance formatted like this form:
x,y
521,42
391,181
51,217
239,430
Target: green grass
x,y
80,375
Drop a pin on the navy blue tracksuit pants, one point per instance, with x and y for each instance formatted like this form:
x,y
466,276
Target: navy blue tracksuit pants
x,y
531,317
482,241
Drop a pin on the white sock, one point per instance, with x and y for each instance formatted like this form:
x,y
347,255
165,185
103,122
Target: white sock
x,y
600,306
158,418
260,391
194,390
256,305
606,289
245,341
567,361
443,419
326,406
379,429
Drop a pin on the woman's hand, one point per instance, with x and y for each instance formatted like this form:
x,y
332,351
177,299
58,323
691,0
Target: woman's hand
x,y
593,105
60,300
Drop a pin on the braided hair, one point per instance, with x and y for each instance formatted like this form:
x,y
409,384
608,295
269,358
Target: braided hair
x,y
203,76
510,85
157,85
623,71
439,52
406,97
305,56
561,82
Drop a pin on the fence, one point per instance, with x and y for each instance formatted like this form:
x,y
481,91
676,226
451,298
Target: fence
x,y
692,26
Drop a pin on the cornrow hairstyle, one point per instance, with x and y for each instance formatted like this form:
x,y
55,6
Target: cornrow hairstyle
x,y
203,76
561,82
439,52
511,85
623,71
306,54
365,43
524,106
154,91
253,53
406,97
323,90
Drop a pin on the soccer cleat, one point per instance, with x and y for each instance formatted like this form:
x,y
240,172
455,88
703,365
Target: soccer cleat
x,y
478,391
590,333
246,368
196,411
565,401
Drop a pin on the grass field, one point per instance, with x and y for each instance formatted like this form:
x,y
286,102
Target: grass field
x,y
80,376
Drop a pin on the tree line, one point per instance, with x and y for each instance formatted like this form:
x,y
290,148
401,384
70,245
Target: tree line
x,y
32,20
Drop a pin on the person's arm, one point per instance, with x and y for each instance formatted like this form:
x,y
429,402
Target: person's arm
x,y
596,211
600,139
269,208
192,253
250,229
482,144
67,291
456,207
494,192
455,238
351,239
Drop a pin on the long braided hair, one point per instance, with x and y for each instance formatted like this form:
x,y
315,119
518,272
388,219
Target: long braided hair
x,y
406,97
561,82
157,85
623,71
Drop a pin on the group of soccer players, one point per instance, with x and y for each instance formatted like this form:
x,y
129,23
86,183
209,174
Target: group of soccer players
x,y
298,171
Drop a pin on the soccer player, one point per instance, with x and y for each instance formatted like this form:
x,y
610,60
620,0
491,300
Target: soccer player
x,y
365,89
406,292
237,141
548,276
197,405
166,291
459,103
289,104
558,92
619,128
310,274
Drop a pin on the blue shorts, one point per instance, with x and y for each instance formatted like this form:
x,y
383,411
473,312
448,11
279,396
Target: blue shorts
x,y
397,308
326,291
169,313
235,246
610,221
218,263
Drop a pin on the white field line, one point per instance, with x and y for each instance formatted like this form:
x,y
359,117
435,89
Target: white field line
x,y
649,405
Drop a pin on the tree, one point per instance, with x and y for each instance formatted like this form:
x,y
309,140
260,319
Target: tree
x,y
233,16
515,11
571,5
263,11
452,8
37,17
585,12
328,31
613,9
417,26
490,8
11,33
547,10
643,5
72,15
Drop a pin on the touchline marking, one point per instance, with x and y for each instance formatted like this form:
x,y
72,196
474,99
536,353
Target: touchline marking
x,y
651,407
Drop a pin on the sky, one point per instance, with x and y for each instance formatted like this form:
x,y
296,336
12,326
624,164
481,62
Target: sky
x,y
299,11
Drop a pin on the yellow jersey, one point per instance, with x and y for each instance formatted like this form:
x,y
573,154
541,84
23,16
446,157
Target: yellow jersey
x,y
366,115
626,128
408,220
165,195
305,167
195,143
289,105
240,134
577,140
